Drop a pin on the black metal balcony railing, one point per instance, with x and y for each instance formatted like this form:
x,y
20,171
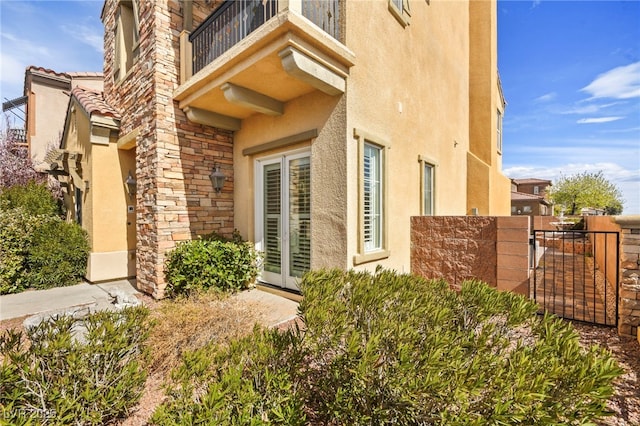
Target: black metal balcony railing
x,y
17,136
235,19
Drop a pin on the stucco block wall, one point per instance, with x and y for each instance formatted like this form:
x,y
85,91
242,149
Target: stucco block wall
x,y
454,248
513,254
492,249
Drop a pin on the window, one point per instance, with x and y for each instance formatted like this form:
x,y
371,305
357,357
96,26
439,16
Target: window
x,y
499,131
536,190
372,239
372,197
400,10
526,209
513,209
127,38
427,186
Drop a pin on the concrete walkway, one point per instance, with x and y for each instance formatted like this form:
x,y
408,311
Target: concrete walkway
x,y
90,297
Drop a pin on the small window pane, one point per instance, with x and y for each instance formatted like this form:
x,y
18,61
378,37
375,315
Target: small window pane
x,y
427,185
372,198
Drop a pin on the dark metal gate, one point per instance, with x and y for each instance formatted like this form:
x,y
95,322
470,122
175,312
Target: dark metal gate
x,y
576,274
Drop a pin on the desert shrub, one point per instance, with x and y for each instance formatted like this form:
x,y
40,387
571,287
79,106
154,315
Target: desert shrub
x,y
34,198
249,382
83,372
57,255
210,264
389,348
39,251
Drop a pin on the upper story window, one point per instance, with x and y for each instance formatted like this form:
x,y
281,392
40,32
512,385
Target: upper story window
x,y
400,10
536,190
499,131
127,38
427,186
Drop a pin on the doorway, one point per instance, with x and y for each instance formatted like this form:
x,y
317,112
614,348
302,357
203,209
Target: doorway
x,y
283,217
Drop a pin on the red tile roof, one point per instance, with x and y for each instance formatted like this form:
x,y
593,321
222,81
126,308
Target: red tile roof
x,y
530,181
32,68
93,102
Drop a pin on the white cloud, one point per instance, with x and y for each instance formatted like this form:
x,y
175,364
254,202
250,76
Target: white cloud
x,y
546,97
11,72
91,36
21,47
598,120
619,83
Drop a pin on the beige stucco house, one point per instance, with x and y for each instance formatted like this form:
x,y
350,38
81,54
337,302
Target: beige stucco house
x,y
93,173
45,100
333,123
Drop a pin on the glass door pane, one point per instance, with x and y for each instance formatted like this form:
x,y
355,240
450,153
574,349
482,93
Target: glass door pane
x,y
299,216
272,217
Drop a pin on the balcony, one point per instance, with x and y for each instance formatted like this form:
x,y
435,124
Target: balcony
x,y
253,56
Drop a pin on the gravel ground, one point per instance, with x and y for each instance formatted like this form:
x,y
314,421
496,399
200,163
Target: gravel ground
x,y
625,403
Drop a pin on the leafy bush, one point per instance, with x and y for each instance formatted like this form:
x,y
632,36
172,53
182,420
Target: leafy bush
x,y
63,378
204,264
34,198
57,256
39,251
250,382
386,348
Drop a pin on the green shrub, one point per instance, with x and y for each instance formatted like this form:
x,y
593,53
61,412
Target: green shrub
x,y
210,264
39,251
250,382
57,256
387,348
16,235
61,378
34,198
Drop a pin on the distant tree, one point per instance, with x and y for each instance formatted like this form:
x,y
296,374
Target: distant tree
x,y
16,167
587,190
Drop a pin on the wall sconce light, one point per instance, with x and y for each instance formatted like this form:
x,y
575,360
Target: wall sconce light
x,y
131,185
217,178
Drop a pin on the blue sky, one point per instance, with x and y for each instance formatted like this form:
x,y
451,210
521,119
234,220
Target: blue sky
x,y
570,73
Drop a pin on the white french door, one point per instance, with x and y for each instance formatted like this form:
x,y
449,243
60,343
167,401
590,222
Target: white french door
x,y
283,217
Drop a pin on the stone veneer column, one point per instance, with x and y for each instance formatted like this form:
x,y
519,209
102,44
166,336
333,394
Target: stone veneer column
x,y
174,157
629,297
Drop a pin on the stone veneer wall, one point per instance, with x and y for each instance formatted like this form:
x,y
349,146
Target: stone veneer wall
x,y
175,198
492,249
629,286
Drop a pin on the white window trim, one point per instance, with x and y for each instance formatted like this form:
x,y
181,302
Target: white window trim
x,y
402,16
423,160
363,256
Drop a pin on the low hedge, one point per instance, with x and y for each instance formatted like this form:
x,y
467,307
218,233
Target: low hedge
x,y
213,263
86,372
387,348
40,251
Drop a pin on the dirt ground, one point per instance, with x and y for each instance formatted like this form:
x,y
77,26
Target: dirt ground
x,y
625,403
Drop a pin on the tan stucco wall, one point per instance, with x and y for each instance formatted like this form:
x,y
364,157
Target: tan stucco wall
x,y
48,98
47,107
328,170
110,227
409,87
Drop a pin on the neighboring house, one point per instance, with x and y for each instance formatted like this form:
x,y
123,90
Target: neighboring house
x,y
93,173
530,197
45,99
333,122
